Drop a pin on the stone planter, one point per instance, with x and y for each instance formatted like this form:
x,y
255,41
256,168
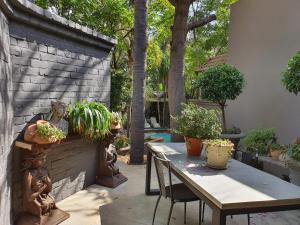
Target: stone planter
x,y
218,156
294,172
193,146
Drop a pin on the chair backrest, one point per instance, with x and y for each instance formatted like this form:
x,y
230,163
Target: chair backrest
x,y
160,164
250,157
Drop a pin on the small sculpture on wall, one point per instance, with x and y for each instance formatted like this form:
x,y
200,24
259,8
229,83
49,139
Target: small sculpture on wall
x,y
56,116
109,174
38,205
37,186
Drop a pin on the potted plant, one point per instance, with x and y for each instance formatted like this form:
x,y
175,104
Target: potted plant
x,y
293,161
220,84
276,150
196,124
218,152
260,139
42,132
89,119
116,120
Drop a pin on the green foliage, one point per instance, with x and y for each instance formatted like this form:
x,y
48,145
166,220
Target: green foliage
x,y
121,141
233,130
90,119
291,76
50,132
218,142
275,147
221,83
116,118
259,139
198,122
294,151
120,91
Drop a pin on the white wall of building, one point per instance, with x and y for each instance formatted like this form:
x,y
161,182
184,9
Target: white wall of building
x,y
264,35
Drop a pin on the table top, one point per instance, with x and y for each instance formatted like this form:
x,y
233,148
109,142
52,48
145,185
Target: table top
x,y
238,186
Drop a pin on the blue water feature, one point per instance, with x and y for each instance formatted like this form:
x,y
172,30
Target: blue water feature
x,y
165,136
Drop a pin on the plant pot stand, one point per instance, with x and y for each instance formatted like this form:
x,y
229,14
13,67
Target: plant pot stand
x,y
108,173
34,174
57,216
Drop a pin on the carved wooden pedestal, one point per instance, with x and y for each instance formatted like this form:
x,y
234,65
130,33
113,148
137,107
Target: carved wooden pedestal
x,y
108,173
38,205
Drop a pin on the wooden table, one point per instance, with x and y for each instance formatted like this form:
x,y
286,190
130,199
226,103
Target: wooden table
x,y
240,189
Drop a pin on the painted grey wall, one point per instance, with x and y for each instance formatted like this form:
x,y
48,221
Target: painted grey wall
x,y
6,115
43,58
264,35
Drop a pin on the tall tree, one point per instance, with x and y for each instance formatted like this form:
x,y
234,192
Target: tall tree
x,y
180,29
139,62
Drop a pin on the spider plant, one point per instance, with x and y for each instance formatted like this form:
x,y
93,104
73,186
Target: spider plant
x,y
89,119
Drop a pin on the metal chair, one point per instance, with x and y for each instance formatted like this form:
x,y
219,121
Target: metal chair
x,y
175,192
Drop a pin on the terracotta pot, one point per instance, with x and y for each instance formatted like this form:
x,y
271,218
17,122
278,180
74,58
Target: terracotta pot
x,y
193,146
30,134
275,154
116,126
218,156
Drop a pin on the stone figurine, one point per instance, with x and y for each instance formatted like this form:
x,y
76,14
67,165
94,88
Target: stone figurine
x,y
37,186
56,116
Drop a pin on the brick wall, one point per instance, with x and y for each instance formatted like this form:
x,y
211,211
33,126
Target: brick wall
x,y
44,58
5,121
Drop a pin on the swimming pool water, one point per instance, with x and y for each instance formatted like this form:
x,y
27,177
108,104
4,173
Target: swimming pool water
x,y
165,136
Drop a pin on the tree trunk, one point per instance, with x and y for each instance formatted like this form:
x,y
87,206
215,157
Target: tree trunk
x,y
139,61
176,93
222,105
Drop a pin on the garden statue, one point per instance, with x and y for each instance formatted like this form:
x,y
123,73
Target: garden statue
x,y
37,186
109,174
56,116
38,205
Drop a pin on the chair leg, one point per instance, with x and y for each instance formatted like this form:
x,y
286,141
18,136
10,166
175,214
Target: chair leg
x,y
170,213
155,209
248,218
185,213
203,210
200,213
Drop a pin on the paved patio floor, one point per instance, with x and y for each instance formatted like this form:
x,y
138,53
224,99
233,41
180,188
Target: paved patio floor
x,y
128,205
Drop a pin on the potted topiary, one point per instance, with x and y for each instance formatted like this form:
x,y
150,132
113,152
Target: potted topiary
x,y
260,139
293,161
276,150
89,119
219,84
196,124
218,152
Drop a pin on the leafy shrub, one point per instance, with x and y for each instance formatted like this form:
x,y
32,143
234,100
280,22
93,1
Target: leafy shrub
x,y
90,119
291,76
294,151
221,83
120,91
198,122
121,141
259,139
275,147
116,118
218,142
50,132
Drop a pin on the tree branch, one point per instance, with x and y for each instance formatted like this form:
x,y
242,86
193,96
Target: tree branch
x,y
173,2
201,22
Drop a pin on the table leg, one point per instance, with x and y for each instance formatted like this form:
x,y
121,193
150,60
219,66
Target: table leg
x,y
148,190
218,218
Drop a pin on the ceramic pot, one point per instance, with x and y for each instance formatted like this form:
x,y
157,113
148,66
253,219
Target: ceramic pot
x,y
193,146
275,154
218,156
